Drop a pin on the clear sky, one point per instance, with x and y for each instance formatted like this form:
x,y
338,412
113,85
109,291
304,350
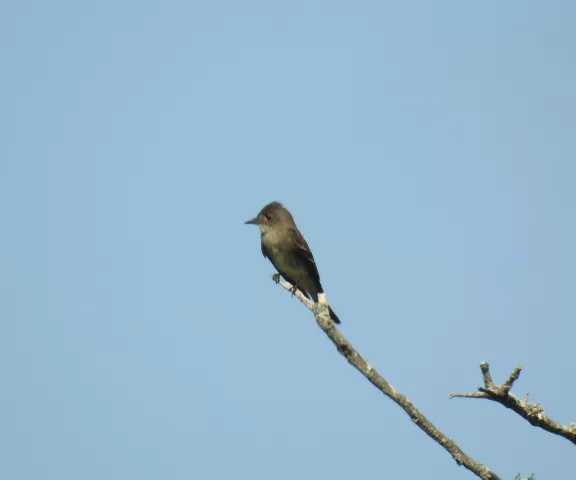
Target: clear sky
x,y
427,151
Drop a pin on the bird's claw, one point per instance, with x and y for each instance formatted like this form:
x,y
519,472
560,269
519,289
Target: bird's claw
x,y
276,278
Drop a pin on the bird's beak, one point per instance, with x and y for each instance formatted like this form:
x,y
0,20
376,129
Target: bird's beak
x,y
251,222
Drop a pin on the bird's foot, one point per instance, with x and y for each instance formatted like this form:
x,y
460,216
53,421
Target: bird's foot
x,y
276,277
294,289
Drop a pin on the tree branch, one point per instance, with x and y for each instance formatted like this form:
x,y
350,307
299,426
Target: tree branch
x,y
532,412
323,320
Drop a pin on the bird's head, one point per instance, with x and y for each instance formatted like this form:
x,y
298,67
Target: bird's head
x,y
271,216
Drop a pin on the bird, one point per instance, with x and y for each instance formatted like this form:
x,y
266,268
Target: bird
x,y
285,247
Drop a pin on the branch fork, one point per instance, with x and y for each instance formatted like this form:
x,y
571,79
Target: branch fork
x,y
531,412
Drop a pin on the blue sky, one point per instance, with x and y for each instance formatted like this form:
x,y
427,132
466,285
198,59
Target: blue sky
x,y
426,150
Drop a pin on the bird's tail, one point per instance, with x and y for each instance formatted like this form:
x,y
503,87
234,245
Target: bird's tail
x,y
333,316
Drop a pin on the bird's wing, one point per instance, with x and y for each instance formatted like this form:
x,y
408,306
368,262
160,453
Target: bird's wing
x,y
303,252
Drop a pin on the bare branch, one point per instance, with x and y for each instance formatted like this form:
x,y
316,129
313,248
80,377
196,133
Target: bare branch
x,y
512,378
323,320
468,395
518,477
486,374
532,412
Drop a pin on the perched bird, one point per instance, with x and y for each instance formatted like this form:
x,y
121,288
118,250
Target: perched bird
x,y
285,247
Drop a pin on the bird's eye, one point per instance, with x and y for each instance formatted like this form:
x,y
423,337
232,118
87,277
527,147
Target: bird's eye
x,y
268,216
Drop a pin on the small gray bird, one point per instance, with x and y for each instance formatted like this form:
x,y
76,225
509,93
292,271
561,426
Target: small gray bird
x,y
285,247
